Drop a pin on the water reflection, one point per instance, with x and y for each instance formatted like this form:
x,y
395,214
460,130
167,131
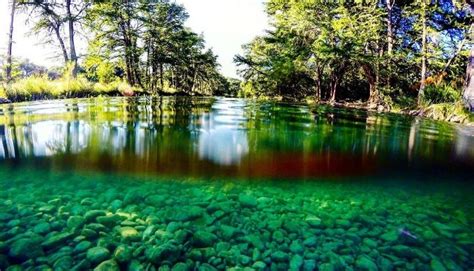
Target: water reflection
x,y
222,138
202,136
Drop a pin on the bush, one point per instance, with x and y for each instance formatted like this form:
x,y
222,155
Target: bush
x,y
436,94
3,92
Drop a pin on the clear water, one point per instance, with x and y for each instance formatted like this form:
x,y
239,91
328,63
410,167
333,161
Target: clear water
x,y
209,183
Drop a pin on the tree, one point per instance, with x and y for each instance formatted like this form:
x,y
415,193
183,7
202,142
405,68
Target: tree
x,y
10,42
55,15
149,41
468,92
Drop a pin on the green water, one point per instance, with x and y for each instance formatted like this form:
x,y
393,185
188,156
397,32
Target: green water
x,y
205,184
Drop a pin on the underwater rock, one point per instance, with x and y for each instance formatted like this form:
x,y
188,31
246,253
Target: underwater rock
x,y
203,239
42,228
24,249
156,200
82,246
109,265
206,267
247,201
134,196
436,265
364,262
180,267
280,256
75,222
123,254
228,232
168,251
390,236
404,251
5,217
310,242
97,254
91,215
110,220
278,236
82,265
259,265
296,247
63,263
55,240
296,262
116,204
129,234
189,214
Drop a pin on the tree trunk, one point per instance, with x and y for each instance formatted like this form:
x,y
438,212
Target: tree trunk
x,y
423,53
61,42
72,45
334,83
468,94
389,5
10,43
161,78
372,80
318,83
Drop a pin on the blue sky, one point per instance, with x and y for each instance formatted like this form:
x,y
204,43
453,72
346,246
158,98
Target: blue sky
x,y
225,24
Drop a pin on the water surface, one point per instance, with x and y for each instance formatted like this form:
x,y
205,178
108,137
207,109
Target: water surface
x,y
204,183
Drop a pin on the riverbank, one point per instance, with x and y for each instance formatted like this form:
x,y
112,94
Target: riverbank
x,y
450,112
38,88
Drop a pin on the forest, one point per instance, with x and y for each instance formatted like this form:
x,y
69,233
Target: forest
x,y
133,47
386,55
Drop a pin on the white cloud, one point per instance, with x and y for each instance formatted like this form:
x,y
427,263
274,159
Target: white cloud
x,y
225,24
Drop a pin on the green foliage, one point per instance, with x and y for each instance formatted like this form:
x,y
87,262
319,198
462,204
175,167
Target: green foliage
x,y
3,92
436,94
37,87
150,44
344,51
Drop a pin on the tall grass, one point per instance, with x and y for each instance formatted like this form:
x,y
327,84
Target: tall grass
x,y
39,88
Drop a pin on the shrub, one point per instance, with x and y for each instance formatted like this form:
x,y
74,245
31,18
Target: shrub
x,y
435,94
3,92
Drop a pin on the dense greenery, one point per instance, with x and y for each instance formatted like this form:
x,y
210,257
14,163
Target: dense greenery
x,y
143,44
384,52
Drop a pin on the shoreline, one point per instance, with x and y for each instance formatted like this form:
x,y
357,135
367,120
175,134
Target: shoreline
x,y
453,113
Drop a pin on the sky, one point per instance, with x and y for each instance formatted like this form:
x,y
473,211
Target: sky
x,y
225,24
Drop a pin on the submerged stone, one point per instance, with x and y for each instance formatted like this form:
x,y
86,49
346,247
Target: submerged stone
x,y
24,249
122,254
189,214
42,228
247,201
91,215
390,236
280,256
97,254
55,240
168,251
110,220
109,265
75,222
296,262
364,262
204,239
129,234
436,265
82,246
